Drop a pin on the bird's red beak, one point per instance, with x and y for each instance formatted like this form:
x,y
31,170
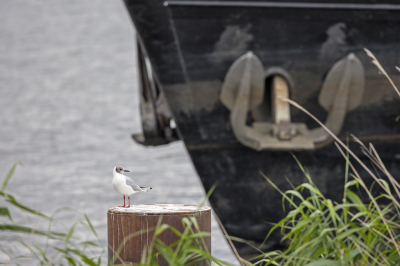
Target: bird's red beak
x,y
126,171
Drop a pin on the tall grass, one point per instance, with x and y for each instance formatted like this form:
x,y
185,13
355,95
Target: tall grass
x,y
189,249
27,245
351,232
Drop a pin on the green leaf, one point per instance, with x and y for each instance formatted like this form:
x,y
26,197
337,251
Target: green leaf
x,y
208,194
161,229
332,212
356,200
324,262
312,188
83,257
5,212
70,233
354,182
93,230
90,243
349,232
13,201
280,191
358,215
308,205
71,261
295,193
45,259
9,175
386,185
29,230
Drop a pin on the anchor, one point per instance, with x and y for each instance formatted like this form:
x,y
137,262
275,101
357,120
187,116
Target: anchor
x,y
243,90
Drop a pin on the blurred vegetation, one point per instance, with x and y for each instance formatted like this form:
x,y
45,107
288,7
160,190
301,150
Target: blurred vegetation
x,y
352,232
188,250
45,247
21,246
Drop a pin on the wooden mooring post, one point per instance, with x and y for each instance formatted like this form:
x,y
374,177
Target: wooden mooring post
x,y
135,226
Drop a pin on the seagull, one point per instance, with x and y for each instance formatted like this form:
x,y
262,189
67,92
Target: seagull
x,y
125,185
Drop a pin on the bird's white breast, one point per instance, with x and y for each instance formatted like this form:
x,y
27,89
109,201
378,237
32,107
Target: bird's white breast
x,y
120,185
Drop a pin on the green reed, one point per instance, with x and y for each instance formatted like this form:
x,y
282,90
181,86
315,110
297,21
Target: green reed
x,y
24,245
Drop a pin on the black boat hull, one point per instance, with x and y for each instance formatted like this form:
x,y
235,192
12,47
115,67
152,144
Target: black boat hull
x,y
191,47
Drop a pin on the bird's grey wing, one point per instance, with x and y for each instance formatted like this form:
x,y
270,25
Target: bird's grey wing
x,y
132,184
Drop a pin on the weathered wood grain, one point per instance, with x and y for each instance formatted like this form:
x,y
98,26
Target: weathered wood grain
x,y
133,228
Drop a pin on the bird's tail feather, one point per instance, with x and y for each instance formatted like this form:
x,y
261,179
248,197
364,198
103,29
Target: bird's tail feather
x,y
146,189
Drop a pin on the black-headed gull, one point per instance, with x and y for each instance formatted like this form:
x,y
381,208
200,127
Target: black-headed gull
x,y
125,185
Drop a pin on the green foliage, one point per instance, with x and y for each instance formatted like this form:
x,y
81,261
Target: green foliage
x,y
51,247
64,248
189,249
322,232
8,177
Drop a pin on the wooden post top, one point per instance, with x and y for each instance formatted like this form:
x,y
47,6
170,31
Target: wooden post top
x,y
159,209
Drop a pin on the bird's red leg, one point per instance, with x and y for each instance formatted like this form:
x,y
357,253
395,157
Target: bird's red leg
x,y
129,199
124,202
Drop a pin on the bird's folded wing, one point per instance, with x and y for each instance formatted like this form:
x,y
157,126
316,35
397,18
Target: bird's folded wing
x,y
132,184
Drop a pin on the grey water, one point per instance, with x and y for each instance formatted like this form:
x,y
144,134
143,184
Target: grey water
x,y
69,103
